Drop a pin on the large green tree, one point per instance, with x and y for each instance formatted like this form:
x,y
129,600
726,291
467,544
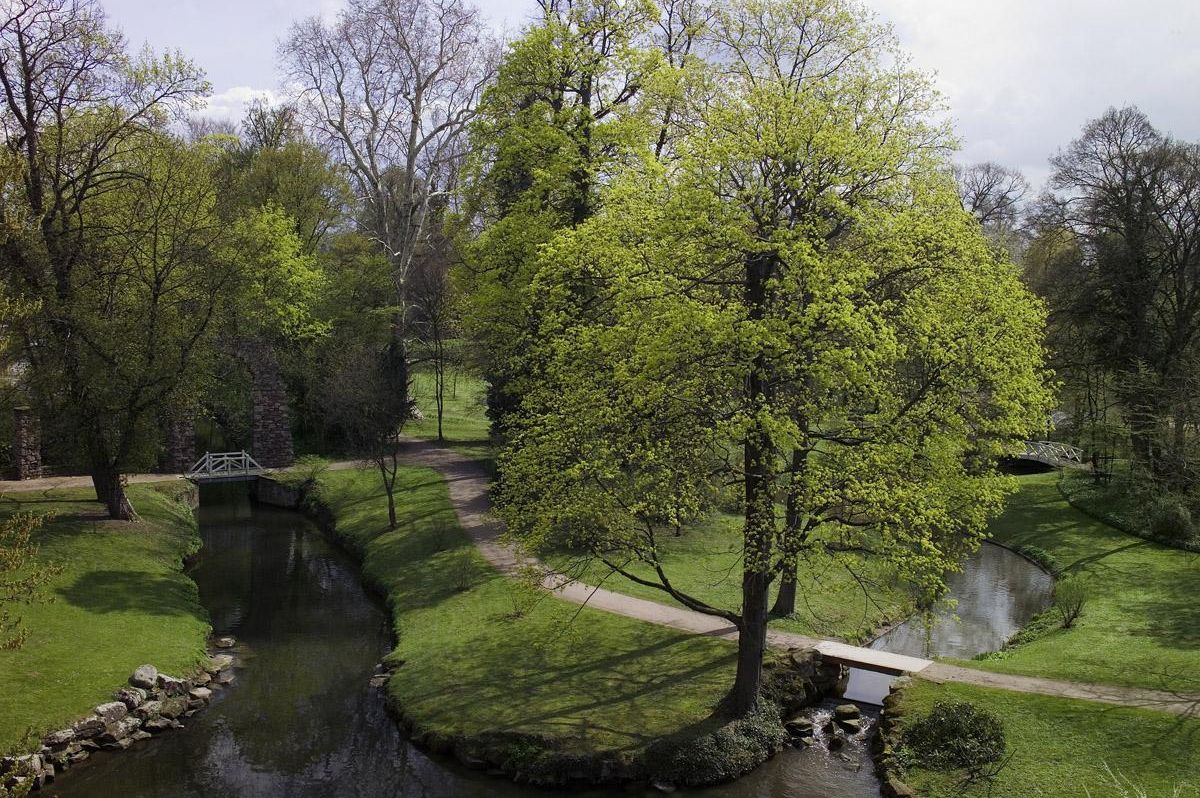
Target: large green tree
x,y
564,114
114,228
794,309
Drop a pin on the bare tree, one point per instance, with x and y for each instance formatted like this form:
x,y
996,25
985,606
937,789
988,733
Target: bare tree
x,y
389,88
992,193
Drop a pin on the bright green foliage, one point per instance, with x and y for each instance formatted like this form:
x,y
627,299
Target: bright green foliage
x,y
559,122
22,579
141,302
281,281
797,305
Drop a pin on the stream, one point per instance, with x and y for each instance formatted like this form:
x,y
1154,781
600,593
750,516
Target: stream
x,y
301,719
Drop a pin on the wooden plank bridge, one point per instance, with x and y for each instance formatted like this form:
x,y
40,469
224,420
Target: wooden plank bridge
x,y
225,467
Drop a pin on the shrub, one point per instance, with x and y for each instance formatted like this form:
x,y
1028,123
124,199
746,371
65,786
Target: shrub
x,y
722,754
1070,597
954,735
1171,520
23,579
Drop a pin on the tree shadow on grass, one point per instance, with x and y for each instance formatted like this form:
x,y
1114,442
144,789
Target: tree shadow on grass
x,y
1173,613
629,684
132,591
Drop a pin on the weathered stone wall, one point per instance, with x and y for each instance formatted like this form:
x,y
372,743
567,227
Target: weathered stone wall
x,y
271,426
276,494
180,452
27,444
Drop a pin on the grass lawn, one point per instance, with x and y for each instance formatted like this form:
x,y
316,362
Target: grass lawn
x,y
122,600
480,654
1061,747
464,421
1141,626
706,561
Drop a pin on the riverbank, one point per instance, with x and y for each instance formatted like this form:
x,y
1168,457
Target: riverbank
x,y
1063,748
121,600
1140,626
1138,629
506,676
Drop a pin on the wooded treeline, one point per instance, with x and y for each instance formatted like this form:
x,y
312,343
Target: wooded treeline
x,y
706,255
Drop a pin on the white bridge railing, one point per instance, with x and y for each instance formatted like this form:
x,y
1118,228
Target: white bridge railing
x,y
1051,452
217,465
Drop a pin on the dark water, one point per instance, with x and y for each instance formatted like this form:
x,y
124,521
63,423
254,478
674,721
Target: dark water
x,y
302,721
996,594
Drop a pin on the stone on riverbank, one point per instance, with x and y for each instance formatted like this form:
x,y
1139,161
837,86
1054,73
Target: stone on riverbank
x,y
60,738
111,712
220,662
131,697
171,685
145,677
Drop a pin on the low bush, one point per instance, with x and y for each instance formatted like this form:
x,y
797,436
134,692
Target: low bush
x,y
954,735
721,755
1071,595
1171,520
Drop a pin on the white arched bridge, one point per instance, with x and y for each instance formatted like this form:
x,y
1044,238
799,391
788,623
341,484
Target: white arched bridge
x,y
225,467
1052,453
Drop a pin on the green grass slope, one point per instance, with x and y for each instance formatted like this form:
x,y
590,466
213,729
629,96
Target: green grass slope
x,y
481,654
1141,626
121,600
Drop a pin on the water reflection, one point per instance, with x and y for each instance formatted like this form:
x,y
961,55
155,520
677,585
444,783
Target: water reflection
x,y
996,593
301,720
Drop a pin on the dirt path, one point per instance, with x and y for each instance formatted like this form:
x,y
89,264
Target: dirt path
x,y
468,486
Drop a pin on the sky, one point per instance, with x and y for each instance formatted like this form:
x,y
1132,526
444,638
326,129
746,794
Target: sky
x,y
1021,77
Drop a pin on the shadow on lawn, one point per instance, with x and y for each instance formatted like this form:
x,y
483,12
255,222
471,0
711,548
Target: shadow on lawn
x,y
1173,613
131,591
529,685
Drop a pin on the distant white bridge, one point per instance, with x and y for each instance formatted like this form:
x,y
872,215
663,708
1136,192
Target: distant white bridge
x,y
1054,454
224,467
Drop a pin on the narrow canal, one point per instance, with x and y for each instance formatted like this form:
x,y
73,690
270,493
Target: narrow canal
x,y
301,719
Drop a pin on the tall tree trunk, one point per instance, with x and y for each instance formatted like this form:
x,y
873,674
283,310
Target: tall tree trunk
x,y
439,371
111,492
759,530
785,599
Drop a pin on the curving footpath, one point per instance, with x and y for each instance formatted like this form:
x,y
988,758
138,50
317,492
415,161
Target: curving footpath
x,y
468,484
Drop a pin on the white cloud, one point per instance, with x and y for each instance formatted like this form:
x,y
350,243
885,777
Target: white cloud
x,y
1023,76
231,104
